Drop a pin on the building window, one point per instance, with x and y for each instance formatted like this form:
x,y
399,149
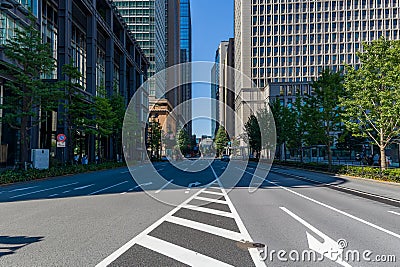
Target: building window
x,y
78,45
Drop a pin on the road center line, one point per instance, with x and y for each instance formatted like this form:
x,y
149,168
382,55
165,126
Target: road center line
x,y
22,189
330,207
101,190
43,190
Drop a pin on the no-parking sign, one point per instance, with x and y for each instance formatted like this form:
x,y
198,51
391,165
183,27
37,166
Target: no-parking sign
x,y
61,140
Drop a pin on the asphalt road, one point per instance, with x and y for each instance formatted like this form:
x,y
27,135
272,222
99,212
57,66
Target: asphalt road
x,y
294,218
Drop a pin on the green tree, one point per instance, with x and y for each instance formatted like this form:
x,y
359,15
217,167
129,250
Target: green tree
x,y
183,141
155,138
326,111
299,126
27,92
284,123
253,132
221,140
371,103
117,102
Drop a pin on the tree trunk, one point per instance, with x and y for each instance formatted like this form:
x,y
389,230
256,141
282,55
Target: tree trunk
x,y
24,148
329,156
383,157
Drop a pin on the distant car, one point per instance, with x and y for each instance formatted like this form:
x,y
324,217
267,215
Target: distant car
x,y
164,158
225,158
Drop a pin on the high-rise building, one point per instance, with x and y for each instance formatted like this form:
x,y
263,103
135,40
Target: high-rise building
x,y
186,57
222,88
146,21
292,41
284,41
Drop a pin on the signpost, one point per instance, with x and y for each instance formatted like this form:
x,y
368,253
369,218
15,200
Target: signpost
x,y
61,144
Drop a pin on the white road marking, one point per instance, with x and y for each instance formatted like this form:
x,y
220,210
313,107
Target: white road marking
x,y
194,162
67,191
123,193
329,248
214,193
207,210
211,200
330,207
22,189
53,195
164,186
178,253
191,185
206,228
101,190
140,185
44,190
181,254
158,170
83,187
337,186
393,212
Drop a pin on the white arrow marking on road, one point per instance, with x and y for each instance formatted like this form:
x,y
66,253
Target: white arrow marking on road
x,y
21,189
164,186
83,187
393,212
140,185
192,185
329,248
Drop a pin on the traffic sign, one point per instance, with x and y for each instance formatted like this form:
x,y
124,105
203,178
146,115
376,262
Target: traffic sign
x,y
61,138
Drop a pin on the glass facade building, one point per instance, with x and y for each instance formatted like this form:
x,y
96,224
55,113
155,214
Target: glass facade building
x,y
146,21
185,57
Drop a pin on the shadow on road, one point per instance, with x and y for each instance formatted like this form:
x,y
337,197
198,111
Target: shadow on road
x,y
10,244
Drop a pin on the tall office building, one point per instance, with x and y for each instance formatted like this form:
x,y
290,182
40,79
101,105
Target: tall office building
x,y
292,41
185,57
284,41
146,21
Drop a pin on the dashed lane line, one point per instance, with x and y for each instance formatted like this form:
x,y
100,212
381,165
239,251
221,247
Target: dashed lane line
x,y
393,212
101,190
44,190
164,186
22,189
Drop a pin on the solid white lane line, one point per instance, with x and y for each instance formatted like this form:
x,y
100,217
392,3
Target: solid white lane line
x,y
207,210
178,253
211,200
206,228
44,190
214,193
330,207
254,253
393,212
83,187
22,189
101,190
164,186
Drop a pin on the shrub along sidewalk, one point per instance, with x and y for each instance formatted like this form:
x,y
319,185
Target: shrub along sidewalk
x,y
390,175
13,176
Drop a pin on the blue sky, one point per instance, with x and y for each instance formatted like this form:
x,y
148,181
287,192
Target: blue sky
x,y
212,22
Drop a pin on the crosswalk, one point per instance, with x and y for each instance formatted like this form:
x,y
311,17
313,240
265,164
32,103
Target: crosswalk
x,y
205,230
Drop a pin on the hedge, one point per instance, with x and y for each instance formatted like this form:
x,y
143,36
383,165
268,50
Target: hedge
x,y
391,175
13,176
